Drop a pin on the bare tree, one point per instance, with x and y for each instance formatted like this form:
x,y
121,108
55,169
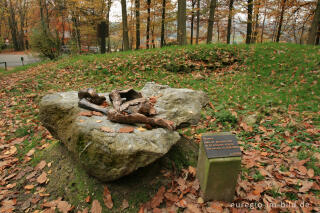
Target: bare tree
x,y
109,2
249,22
163,18
198,21
283,6
137,5
124,25
229,21
314,32
213,4
192,21
148,23
182,13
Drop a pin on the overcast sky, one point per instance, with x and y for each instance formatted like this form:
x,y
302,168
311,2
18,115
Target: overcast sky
x,y
115,11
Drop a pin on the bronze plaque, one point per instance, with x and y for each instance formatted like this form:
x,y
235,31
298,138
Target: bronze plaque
x,y
219,146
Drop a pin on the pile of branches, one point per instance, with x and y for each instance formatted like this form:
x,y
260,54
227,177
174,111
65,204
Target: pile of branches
x,y
129,107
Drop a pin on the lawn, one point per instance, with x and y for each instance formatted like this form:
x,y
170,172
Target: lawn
x,y
267,94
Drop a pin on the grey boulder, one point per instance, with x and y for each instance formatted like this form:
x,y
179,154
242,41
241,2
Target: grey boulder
x,y
111,155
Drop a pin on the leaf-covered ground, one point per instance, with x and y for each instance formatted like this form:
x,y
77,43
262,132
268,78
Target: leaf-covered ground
x,y
269,95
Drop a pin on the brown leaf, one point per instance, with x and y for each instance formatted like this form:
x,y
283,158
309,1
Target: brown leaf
x,y
128,129
40,165
29,187
215,207
156,210
51,210
170,196
31,175
11,185
306,185
141,209
153,99
107,199
64,206
11,151
97,113
302,170
310,173
192,171
124,205
158,198
42,178
31,152
96,207
87,199
85,113
106,129
245,127
193,208
182,203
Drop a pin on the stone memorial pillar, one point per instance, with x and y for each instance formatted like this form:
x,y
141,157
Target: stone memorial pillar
x,y
218,167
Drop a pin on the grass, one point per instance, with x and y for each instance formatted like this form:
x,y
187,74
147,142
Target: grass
x,y
4,72
278,82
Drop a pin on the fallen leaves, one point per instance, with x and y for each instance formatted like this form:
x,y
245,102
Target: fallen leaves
x,y
106,129
124,205
306,186
128,129
29,187
158,198
31,152
86,113
42,178
41,165
246,127
64,206
107,199
11,151
96,207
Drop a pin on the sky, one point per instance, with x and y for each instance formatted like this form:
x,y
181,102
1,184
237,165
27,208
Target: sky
x,y
115,11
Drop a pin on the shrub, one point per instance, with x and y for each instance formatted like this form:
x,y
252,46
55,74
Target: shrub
x,y
44,42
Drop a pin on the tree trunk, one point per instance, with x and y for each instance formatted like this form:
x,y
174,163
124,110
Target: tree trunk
x,y
264,20
257,10
108,25
229,21
102,26
218,30
213,4
148,24
125,36
283,5
182,13
318,36
192,20
137,4
314,30
163,18
198,21
301,35
77,30
249,22
13,27
22,13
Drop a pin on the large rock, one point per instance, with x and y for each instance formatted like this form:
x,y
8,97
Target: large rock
x,y
182,106
109,156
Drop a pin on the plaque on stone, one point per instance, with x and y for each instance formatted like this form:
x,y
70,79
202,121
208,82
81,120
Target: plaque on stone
x,y
219,146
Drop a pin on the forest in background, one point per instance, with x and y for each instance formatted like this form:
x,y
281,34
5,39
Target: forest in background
x,y
155,23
